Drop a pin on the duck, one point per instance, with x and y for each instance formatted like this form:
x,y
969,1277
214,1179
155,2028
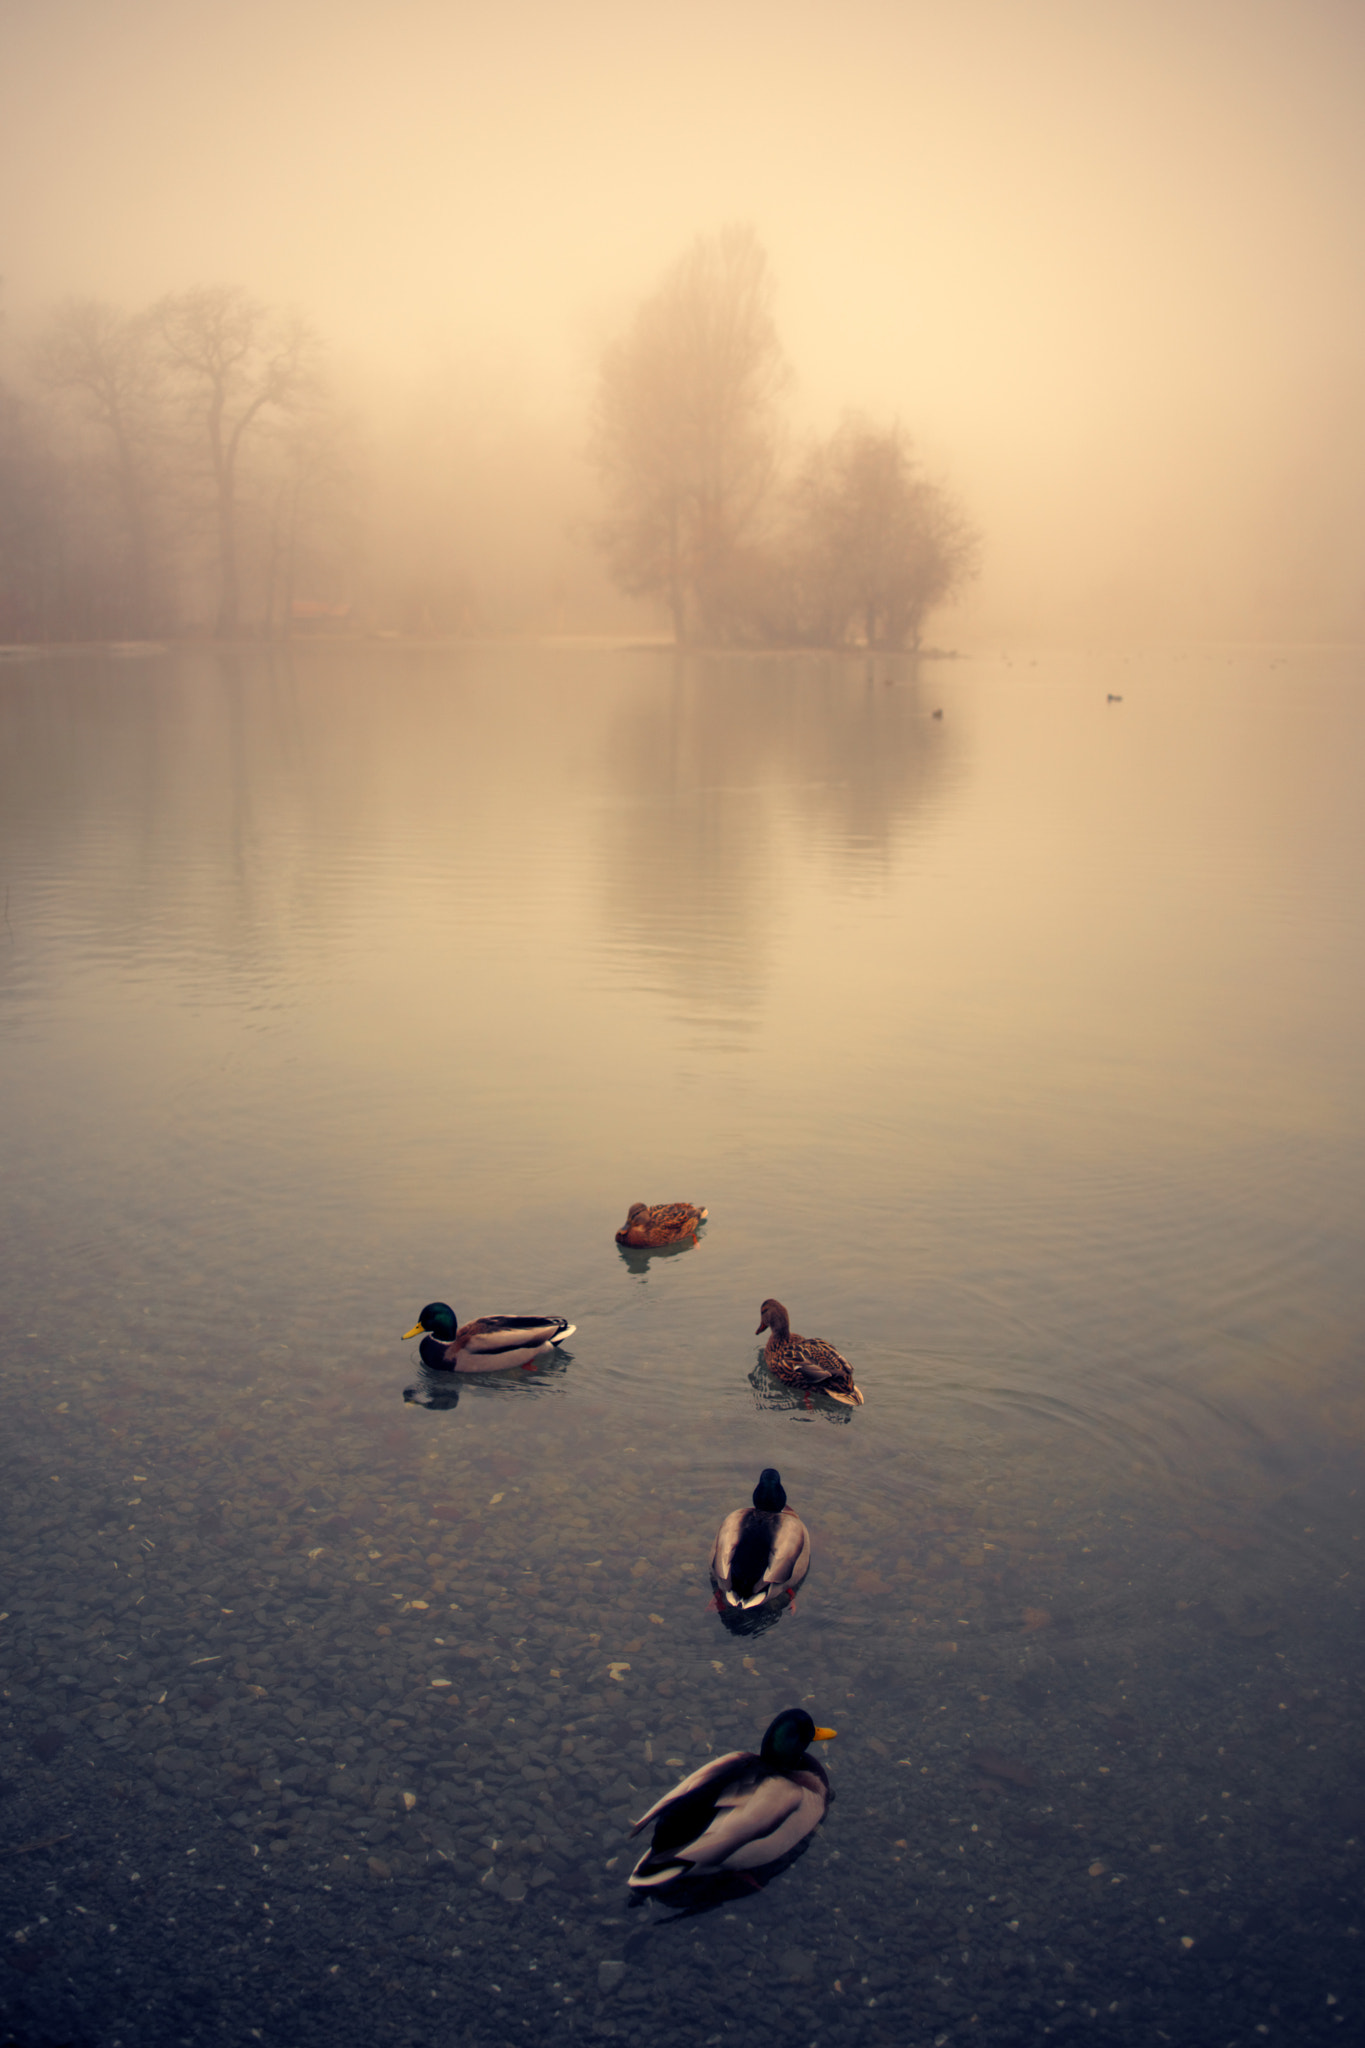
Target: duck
x,y
490,1344
761,1552
648,1226
805,1362
739,1811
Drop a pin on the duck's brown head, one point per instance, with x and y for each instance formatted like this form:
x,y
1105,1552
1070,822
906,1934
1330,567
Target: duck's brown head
x,y
772,1316
635,1219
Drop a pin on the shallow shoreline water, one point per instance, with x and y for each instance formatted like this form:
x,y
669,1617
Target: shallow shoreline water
x,y
1017,1051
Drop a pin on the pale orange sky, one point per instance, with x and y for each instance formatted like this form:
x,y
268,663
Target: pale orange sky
x,y
1102,256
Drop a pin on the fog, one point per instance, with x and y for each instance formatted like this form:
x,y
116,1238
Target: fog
x,y
1102,262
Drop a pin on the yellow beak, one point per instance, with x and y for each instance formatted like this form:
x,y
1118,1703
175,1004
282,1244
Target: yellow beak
x,y
824,1735
415,1331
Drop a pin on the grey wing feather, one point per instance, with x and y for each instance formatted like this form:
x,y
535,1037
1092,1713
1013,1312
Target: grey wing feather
x,y
790,1560
717,1767
513,1333
746,1824
723,1555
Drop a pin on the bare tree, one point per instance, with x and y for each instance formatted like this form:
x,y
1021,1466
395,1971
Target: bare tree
x,y
684,432
106,359
874,545
237,365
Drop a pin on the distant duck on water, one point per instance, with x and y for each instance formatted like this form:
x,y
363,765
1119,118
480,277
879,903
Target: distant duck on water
x,y
650,1228
490,1344
762,1552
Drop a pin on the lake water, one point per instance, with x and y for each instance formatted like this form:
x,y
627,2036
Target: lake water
x,y
1018,1050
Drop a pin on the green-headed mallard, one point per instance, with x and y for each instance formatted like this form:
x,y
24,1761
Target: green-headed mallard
x,y
805,1362
488,1345
739,1811
762,1552
648,1228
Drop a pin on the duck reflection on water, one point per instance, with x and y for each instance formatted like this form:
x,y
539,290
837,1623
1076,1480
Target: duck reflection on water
x,y
433,1393
770,1393
638,1259
437,1390
745,1623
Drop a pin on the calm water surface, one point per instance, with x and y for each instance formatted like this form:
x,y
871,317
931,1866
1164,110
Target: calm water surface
x,y
1018,1050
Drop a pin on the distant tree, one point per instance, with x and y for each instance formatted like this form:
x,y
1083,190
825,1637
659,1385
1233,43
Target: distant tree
x,y
238,366
313,527
873,545
33,584
684,433
108,361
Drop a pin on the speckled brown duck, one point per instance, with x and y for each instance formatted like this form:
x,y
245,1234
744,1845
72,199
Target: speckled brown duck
x,y
805,1362
649,1227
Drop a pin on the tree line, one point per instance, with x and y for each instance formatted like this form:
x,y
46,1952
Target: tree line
x,y
184,464
189,467
850,544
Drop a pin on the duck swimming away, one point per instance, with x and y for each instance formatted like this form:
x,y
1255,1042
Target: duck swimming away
x,y
490,1344
739,1811
762,1552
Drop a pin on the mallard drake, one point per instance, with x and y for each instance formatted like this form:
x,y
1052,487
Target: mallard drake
x,y
739,1811
805,1362
648,1228
761,1552
488,1345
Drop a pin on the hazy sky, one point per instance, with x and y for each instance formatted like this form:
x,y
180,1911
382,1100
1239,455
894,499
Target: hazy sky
x,y
1102,256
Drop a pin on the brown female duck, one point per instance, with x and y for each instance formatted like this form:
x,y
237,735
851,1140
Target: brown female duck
x,y
805,1362
649,1228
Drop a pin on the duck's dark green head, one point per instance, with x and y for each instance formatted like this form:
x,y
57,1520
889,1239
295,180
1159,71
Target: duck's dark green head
x,y
789,1737
438,1320
770,1495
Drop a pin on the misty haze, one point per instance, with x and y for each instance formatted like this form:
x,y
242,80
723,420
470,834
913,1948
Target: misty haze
x,y
754,610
